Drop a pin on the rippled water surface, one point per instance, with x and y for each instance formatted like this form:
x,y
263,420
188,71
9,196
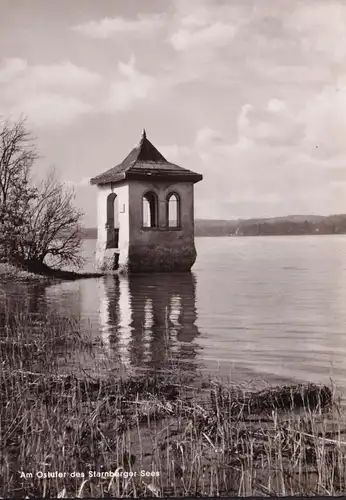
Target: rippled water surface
x,y
263,307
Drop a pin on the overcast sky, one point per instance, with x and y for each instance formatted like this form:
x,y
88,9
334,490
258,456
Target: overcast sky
x,y
252,94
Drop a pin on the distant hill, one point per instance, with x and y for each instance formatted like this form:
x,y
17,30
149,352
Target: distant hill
x,y
275,226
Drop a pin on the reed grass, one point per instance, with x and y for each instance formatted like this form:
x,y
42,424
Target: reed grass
x,y
154,434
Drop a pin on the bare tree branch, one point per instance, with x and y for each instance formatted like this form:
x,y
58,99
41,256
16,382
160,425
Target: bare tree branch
x,y
38,225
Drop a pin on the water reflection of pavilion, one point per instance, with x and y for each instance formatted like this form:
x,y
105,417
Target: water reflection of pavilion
x,y
146,320
150,319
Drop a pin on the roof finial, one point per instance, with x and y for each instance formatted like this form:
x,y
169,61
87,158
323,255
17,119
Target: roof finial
x,y
144,135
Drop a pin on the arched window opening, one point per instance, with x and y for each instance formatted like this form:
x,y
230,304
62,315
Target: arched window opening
x,y
150,205
173,210
112,224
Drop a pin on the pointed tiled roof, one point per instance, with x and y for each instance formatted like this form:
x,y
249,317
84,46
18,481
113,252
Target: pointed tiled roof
x,y
145,162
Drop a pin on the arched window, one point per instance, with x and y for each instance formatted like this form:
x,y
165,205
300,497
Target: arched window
x,y
150,210
112,224
173,210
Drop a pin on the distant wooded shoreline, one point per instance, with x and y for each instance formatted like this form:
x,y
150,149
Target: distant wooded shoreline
x,y
276,226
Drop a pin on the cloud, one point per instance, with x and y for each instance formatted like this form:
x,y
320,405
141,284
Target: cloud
x,y
207,140
298,74
207,135
276,105
47,94
63,76
62,92
204,25
175,152
321,28
243,121
50,109
324,119
273,124
111,27
200,32
217,35
272,164
11,68
129,86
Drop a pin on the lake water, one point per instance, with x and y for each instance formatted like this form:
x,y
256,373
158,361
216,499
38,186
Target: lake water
x,y
271,308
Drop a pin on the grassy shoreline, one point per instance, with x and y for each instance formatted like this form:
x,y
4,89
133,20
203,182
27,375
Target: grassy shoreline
x,y
154,434
12,274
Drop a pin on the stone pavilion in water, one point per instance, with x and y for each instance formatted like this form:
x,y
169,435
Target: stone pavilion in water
x,y
145,217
